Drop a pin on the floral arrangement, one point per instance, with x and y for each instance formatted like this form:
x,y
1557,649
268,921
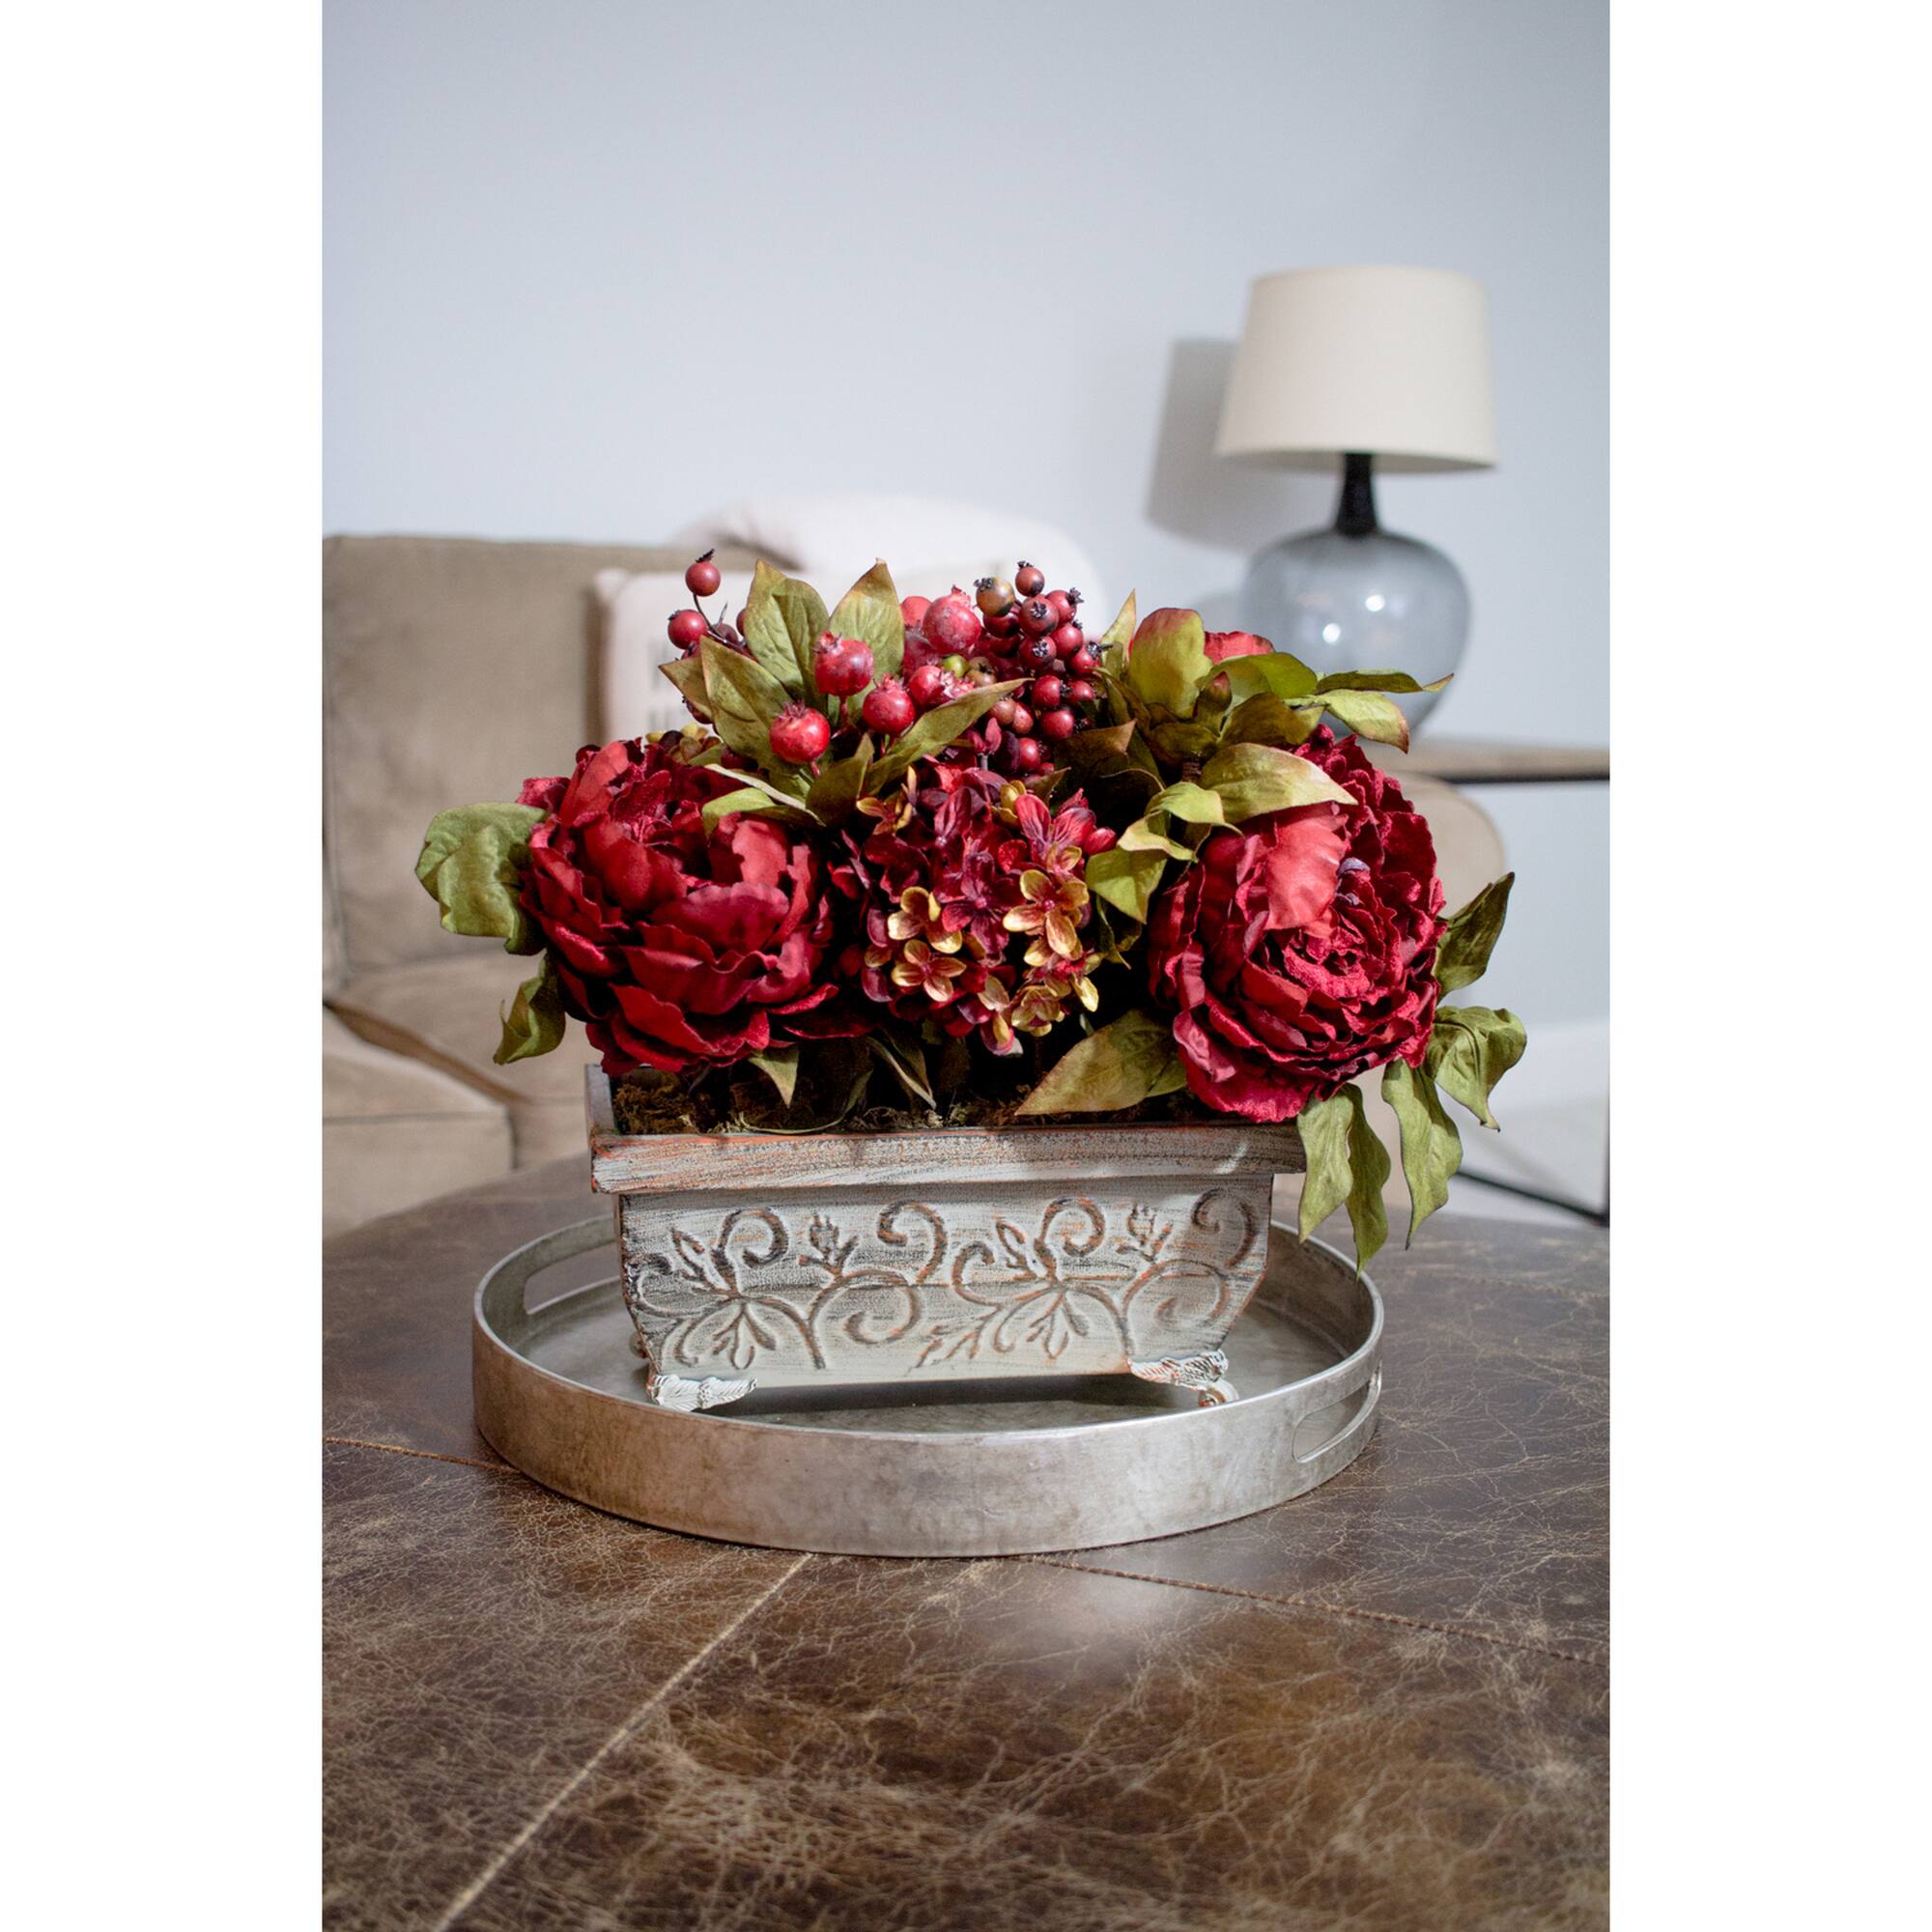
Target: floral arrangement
x,y
961,845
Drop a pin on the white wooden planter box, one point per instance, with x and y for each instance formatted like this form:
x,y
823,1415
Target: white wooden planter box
x,y
755,1261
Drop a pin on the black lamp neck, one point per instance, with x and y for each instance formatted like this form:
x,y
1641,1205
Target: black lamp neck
x,y
1355,509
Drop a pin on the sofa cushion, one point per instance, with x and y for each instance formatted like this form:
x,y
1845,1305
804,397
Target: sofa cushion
x,y
453,669
396,1130
445,1014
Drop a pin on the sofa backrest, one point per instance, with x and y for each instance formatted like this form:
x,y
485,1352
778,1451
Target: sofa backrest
x,y
452,670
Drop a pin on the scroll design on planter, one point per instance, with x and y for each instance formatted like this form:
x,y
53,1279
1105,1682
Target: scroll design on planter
x,y
1046,1289
708,1299
758,1282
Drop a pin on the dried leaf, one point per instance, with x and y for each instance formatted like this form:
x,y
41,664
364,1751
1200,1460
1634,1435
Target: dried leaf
x,y
1126,879
783,619
1121,630
1346,1161
871,612
745,698
936,729
688,675
837,786
1148,834
1431,1150
1370,715
752,802
1267,720
779,1066
1168,662
1250,780
1463,953
1193,803
1376,680
472,863
1120,1066
904,1058
1471,1049
1273,673
535,1021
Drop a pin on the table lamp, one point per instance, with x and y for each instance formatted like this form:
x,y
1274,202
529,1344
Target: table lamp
x,y
1381,367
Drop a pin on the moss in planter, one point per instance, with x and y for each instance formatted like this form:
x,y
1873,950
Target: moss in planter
x,y
742,1100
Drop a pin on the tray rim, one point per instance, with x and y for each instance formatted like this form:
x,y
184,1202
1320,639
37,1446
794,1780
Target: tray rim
x,y
840,1490
1336,1371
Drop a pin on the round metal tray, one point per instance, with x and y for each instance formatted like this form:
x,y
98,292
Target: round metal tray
x,y
961,1469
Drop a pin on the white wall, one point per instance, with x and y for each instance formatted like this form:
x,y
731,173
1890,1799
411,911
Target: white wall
x,y
594,266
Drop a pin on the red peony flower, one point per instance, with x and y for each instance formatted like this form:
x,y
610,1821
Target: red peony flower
x,y
1299,950
1236,644
676,947
975,900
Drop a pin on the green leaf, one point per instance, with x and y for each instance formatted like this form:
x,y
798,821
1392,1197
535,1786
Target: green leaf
x,y
1121,630
1370,715
779,1066
899,1050
1250,780
745,698
1269,674
1178,743
936,729
1431,1150
871,612
472,863
1105,749
1346,1161
1119,1066
837,786
752,802
787,789
1267,720
535,1021
1144,836
1376,680
688,675
1191,802
834,1074
1471,1049
1100,934
1463,953
783,619
1168,661
1126,879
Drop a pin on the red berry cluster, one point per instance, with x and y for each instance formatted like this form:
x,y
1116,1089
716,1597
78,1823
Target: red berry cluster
x,y
688,628
954,644
842,668
1006,631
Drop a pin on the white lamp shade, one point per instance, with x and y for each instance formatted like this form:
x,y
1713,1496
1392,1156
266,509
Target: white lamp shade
x,y
1391,361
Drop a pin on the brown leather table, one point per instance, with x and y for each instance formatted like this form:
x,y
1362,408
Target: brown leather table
x,y
1381,1705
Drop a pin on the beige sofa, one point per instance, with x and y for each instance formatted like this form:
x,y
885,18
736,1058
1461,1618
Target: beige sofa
x,y
453,669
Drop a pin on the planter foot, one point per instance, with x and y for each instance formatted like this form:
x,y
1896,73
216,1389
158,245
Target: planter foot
x,y
706,1392
1205,1373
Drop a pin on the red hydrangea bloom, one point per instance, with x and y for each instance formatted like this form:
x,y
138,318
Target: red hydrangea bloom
x,y
676,947
1299,950
975,904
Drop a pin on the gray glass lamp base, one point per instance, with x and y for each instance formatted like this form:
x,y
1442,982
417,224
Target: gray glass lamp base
x,y
1357,597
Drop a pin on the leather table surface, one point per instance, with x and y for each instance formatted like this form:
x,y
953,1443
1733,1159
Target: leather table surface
x,y
1383,1704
